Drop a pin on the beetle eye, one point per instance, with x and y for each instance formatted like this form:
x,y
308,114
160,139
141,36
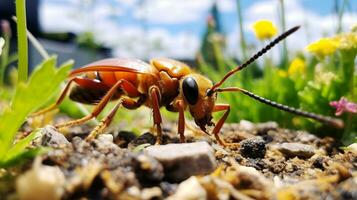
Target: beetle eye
x,y
190,90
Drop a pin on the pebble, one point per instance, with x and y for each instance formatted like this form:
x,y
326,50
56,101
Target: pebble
x,y
151,193
190,189
52,138
263,128
246,125
352,148
146,138
41,183
296,149
180,161
149,171
253,148
105,144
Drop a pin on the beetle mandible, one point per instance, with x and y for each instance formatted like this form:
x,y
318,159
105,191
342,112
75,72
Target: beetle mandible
x,y
163,82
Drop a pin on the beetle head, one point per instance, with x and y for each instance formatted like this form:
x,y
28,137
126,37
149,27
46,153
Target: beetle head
x,y
194,89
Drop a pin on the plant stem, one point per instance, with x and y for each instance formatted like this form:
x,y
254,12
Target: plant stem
x,y
243,43
283,26
340,12
4,59
348,71
22,40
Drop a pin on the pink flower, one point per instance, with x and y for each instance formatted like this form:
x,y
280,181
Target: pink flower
x,y
343,106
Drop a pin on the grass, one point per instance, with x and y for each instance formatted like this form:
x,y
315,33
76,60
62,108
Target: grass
x,y
22,40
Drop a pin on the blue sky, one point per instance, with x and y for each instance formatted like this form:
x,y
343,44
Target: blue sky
x,y
172,28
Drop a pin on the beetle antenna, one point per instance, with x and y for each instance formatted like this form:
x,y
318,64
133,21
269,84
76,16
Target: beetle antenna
x,y
324,119
253,58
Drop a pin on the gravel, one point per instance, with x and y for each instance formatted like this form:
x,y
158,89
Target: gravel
x,y
296,149
181,161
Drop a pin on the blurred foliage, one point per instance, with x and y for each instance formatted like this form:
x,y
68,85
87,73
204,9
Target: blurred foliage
x,y
28,97
310,82
87,40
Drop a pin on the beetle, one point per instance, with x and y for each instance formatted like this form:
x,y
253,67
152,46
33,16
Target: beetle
x,y
162,83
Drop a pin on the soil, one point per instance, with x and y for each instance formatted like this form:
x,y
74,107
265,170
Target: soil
x,y
261,161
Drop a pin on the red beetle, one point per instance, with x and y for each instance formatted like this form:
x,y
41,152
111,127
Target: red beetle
x,y
163,82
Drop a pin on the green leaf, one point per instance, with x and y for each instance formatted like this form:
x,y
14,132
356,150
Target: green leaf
x,y
29,97
140,147
20,146
24,155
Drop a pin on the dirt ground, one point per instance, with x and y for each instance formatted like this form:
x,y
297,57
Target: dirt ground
x,y
261,161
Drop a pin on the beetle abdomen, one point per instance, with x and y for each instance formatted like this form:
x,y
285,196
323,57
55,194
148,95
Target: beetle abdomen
x,y
86,95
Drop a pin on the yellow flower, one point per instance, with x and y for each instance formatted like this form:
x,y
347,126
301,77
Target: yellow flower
x,y
323,47
297,66
264,29
282,73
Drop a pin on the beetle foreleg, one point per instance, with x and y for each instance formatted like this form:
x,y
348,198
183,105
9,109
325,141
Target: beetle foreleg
x,y
154,95
218,126
181,121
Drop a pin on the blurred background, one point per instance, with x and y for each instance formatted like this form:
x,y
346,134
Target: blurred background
x,y
91,29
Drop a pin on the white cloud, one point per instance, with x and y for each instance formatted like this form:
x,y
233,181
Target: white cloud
x,y
227,5
135,42
127,2
59,18
172,11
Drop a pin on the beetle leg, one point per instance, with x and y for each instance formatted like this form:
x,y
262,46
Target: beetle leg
x,y
154,95
218,126
104,122
97,109
125,102
181,121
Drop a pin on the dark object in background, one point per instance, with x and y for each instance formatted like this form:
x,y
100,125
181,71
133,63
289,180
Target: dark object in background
x,y
7,10
62,44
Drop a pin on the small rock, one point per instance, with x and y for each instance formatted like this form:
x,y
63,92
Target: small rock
x,y
52,138
263,128
319,162
246,125
190,189
296,149
105,144
181,161
167,188
146,138
248,178
346,190
253,148
305,137
149,171
41,182
151,193
124,138
352,148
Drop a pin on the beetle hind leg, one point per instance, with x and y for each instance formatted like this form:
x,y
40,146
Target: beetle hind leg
x,y
105,122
